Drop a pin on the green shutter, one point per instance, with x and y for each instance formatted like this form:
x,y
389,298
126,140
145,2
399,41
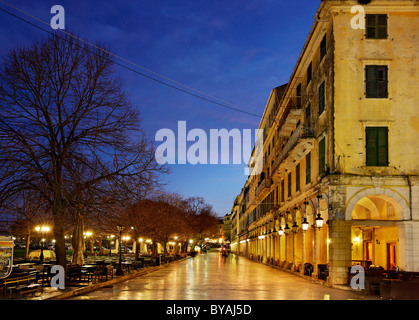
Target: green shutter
x,y
297,178
308,168
322,100
382,146
322,156
371,146
376,146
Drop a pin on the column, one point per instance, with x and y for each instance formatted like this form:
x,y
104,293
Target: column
x,y
340,258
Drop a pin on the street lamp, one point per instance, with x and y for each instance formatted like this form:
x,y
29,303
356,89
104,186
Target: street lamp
x,y
280,231
305,224
287,229
295,227
119,271
42,230
319,219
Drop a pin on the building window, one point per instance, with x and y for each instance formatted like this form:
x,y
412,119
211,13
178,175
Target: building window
x,y
322,98
308,168
376,146
282,191
376,81
297,178
376,26
323,48
299,90
308,114
309,73
289,184
322,156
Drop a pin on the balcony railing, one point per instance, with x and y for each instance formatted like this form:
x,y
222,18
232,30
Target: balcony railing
x,y
301,134
293,103
263,188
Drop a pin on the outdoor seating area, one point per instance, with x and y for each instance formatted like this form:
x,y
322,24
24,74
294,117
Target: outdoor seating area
x,y
29,277
390,284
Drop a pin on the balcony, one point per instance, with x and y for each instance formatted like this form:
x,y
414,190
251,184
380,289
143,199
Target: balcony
x,y
290,116
300,143
263,189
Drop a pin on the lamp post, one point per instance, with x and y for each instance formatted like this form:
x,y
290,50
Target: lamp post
x,y
42,230
119,271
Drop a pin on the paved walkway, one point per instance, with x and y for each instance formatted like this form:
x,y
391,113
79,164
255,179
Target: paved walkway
x,y
212,277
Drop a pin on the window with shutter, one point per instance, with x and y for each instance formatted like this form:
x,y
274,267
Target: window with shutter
x,y
282,191
297,178
308,114
322,156
376,81
376,26
322,98
289,184
323,48
309,73
308,168
376,146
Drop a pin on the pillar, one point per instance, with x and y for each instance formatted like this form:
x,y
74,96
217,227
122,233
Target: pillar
x,y
340,254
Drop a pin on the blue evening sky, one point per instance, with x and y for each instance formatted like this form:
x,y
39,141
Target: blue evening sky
x,y
236,51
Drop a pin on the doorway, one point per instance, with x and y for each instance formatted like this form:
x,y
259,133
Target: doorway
x,y
391,256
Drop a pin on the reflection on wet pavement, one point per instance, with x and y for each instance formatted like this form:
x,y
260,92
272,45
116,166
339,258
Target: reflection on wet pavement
x,y
213,277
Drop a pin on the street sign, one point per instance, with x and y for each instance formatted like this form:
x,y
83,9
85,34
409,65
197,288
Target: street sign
x,y
6,254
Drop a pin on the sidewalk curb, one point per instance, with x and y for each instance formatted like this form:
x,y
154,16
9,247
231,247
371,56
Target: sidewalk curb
x,y
99,285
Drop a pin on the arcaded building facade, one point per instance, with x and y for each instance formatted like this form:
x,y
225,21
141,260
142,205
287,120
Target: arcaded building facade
x,y
341,145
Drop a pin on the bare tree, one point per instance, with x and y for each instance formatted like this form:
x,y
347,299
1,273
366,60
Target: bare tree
x,y
62,109
29,209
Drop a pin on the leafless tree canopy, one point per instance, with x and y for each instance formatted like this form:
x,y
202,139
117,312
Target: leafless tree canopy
x,y
67,127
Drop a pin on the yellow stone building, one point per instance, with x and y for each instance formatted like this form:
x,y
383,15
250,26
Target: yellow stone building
x,y
341,144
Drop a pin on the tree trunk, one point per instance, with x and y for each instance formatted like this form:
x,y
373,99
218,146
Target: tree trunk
x,y
99,243
154,249
59,240
28,241
78,242
137,251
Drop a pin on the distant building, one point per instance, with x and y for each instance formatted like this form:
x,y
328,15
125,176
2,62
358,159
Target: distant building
x,y
341,145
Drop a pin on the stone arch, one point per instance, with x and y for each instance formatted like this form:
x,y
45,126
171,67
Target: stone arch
x,y
367,199
310,211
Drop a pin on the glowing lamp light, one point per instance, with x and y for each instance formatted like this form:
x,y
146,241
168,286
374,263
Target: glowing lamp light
x,y
319,221
287,229
280,231
305,224
295,227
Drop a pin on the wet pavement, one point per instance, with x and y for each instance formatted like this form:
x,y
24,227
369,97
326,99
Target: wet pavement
x,y
213,277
